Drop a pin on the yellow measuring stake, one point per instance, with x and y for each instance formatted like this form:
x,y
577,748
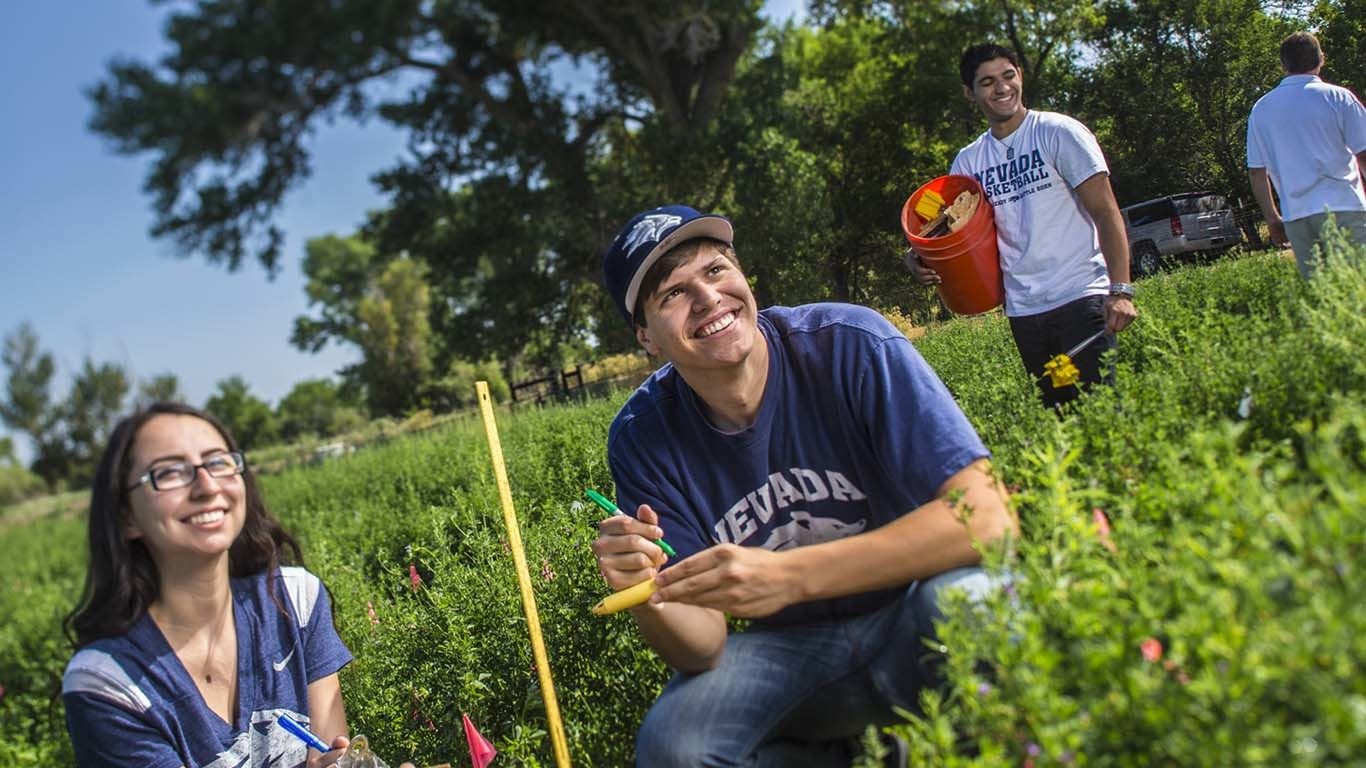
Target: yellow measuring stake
x,y
533,621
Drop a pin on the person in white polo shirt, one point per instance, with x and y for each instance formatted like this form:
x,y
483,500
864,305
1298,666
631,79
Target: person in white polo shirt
x,y
1308,139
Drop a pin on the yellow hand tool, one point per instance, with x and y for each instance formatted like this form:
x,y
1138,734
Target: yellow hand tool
x,y
626,598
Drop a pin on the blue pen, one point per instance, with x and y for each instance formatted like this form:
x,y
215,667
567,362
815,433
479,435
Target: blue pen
x,y
298,729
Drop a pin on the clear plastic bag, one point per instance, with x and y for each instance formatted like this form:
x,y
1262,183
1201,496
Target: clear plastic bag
x,y
358,755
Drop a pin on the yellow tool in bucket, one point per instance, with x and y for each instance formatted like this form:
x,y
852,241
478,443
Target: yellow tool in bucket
x,y
929,205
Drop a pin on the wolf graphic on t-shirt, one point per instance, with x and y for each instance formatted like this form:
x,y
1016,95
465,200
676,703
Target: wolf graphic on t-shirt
x,y
805,529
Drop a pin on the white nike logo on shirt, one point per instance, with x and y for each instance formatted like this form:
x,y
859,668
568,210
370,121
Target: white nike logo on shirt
x,y
280,665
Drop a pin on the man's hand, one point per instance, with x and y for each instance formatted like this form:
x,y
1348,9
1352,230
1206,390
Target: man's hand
x,y
626,548
1119,312
687,637
1276,231
923,274
1261,190
330,757
747,582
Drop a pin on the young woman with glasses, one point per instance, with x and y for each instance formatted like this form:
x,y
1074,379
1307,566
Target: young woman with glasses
x,y
194,632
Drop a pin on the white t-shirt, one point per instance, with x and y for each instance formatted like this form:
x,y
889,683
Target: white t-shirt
x,y
1048,244
1306,134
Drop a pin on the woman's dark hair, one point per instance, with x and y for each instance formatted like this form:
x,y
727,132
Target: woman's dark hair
x,y
978,55
121,578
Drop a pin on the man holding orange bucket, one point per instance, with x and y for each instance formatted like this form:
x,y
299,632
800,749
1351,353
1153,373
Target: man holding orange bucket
x,y
1063,252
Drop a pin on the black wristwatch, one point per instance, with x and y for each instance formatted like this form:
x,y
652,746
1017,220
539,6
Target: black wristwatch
x,y
1122,290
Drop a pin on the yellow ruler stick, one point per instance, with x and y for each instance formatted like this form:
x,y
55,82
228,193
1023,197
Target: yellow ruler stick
x,y
533,621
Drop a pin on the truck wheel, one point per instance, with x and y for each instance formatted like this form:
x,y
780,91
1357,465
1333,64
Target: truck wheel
x,y
1146,260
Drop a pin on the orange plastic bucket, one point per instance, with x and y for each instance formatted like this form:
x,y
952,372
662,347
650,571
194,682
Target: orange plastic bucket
x,y
967,260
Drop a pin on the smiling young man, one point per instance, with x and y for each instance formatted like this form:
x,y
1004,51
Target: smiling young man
x,y
812,474
1064,254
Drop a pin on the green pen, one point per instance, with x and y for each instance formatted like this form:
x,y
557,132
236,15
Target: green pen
x,y
610,508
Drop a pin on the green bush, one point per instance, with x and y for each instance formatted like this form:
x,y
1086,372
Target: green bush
x,y
44,568
1229,460
18,484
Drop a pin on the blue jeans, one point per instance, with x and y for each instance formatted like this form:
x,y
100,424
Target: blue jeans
x,y
792,696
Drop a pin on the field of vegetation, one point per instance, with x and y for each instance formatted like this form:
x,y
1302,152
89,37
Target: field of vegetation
x,y
1187,590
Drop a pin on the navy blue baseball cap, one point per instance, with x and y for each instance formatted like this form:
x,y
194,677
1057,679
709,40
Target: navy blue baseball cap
x,y
647,236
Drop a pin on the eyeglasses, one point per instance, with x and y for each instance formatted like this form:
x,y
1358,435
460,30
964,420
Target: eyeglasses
x,y
180,474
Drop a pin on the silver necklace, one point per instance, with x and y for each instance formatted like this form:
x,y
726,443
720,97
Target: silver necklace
x,y
1010,145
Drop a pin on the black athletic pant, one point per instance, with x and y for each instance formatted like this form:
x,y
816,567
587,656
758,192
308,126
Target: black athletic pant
x,y
1040,337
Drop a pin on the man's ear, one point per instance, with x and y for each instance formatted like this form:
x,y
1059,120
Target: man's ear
x,y
643,336
967,93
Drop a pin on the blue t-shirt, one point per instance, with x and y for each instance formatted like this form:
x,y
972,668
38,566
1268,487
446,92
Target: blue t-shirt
x,y
854,431
130,702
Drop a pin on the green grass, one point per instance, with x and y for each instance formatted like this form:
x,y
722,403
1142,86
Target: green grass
x,y
68,504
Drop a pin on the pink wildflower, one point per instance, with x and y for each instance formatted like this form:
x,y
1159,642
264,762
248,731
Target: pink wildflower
x,y
1151,649
414,577
370,611
1103,528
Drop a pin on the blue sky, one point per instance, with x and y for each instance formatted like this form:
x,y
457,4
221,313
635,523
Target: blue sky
x,y
76,261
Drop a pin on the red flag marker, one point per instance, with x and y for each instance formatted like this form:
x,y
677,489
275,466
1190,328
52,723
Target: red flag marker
x,y
1103,528
481,751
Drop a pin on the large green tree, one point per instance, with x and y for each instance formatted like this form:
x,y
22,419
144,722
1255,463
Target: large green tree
x,y
67,436
162,388
88,415
394,334
382,306
247,417
1341,27
27,405
317,407
1171,88
480,87
844,119
339,272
